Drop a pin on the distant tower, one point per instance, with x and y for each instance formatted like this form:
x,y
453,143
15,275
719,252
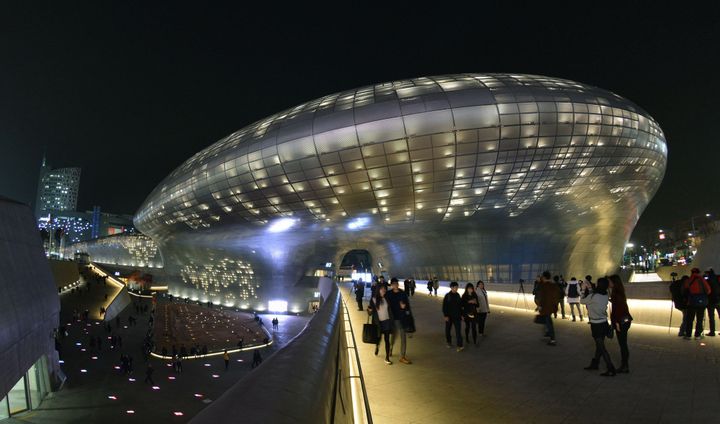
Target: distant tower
x,y
57,189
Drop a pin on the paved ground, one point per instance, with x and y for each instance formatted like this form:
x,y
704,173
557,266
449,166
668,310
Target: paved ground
x,y
513,376
86,395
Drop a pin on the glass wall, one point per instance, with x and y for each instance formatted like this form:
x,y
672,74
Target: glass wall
x,y
28,392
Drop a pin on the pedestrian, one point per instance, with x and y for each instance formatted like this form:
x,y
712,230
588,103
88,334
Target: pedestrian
x,y
359,293
430,286
597,302
452,313
572,291
561,284
436,285
620,319
713,299
412,286
382,317
179,363
406,285
547,301
470,302
148,373
680,301
257,359
399,306
226,358
483,306
697,291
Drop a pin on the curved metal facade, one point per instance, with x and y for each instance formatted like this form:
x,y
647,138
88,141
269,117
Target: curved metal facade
x,y
493,176
133,250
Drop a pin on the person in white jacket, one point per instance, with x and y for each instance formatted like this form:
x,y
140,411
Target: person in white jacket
x,y
572,291
596,301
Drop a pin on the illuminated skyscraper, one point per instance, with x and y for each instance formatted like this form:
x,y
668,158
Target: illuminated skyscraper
x,y
57,189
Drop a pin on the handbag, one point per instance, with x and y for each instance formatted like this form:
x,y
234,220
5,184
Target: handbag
x,y
408,322
370,333
610,331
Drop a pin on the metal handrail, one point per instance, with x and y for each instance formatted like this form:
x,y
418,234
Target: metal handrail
x,y
368,415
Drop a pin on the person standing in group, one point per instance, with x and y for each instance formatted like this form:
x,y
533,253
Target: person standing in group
x,y
406,285
680,301
697,290
596,301
452,312
483,307
399,306
436,285
561,284
359,293
470,311
430,286
573,297
713,299
547,302
226,358
381,313
412,287
620,319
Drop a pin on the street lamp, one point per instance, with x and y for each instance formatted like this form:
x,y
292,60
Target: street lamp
x,y
692,221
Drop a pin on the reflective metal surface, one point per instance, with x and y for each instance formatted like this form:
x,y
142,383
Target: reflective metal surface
x,y
492,176
133,250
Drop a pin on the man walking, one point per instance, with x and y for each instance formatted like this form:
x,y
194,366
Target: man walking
x,y
452,311
359,293
548,304
399,306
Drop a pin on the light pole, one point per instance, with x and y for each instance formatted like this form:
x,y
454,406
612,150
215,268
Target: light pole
x,y
692,221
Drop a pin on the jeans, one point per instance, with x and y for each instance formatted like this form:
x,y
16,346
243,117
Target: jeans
x,y
622,341
385,330
359,302
684,322
711,309
458,336
692,315
549,328
399,330
562,308
574,306
482,316
471,324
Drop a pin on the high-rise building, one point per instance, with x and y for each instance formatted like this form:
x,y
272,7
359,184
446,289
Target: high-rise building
x,y
57,189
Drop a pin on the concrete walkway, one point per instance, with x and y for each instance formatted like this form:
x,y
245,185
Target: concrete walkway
x,y
513,376
96,392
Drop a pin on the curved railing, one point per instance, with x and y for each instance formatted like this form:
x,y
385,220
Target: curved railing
x,y
315,378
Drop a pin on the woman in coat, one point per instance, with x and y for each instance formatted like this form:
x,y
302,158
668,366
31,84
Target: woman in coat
x,y
382,317
572,291
483,307
469,304
620,319
596,301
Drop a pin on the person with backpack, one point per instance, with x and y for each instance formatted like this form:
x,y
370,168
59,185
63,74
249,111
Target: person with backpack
x,y
430,286
572,291
713,299
436,285
697,291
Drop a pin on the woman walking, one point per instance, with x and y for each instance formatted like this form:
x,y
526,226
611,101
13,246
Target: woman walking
x,y
483,307
620,319
596,301
382,317
469,304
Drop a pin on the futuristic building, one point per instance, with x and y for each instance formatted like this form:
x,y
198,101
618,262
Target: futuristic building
x,y
464,177
131,250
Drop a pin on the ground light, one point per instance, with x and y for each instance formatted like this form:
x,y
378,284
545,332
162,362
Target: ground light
x,y
277,306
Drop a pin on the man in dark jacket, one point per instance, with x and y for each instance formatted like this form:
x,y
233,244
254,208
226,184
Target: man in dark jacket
x,y
452,311
678,298
399,306
548,304
359,293
713,299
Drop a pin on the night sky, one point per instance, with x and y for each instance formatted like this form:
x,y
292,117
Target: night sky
x,y
130,91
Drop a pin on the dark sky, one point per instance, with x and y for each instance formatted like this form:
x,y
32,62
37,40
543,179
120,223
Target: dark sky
x,y
128,90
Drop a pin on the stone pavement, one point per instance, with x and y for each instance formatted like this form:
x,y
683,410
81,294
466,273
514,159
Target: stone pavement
x,y
512,376
87,396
